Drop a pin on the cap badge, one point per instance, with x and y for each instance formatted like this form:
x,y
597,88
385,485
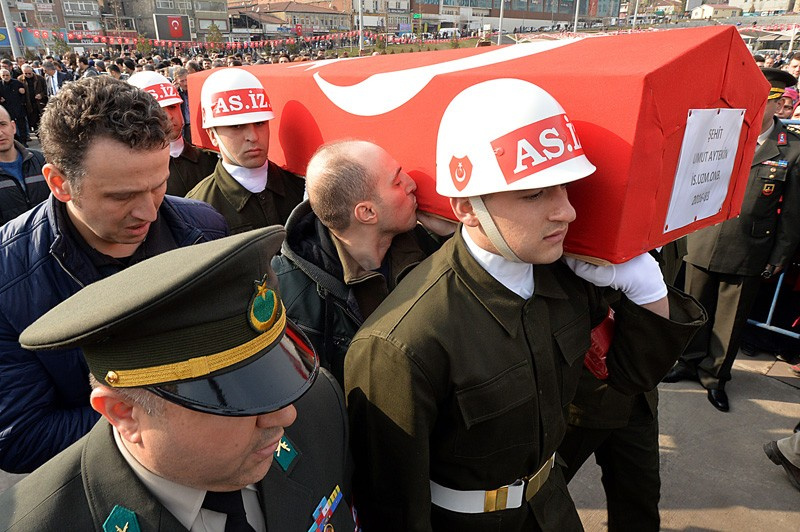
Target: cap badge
x,y
460,171
265,307
121,520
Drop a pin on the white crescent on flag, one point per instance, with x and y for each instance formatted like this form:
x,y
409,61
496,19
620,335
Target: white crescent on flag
x,y
176,24
384,92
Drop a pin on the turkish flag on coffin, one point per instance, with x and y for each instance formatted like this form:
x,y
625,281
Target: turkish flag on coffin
x,y
640,105
175,27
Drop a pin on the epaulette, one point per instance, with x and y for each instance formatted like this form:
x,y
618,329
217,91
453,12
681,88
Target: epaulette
x,y
794,129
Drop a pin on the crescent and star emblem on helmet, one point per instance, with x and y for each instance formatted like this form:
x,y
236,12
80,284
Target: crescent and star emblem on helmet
x,y
460,171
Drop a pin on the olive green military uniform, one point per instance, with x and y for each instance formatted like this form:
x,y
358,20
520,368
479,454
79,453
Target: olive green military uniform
x,y
80,487
188,169
724,262
622,433
457,380
212,337
244,210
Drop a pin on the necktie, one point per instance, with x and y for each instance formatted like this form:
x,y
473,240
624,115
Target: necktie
x,y
230,503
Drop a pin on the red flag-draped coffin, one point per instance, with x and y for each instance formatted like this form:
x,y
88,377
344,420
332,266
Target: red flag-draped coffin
x,y
628,96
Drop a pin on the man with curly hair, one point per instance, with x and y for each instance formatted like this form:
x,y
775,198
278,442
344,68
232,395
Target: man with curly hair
x,y
106,143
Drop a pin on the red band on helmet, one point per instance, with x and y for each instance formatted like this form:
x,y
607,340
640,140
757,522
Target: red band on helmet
x,y
537,146
239,101
162,91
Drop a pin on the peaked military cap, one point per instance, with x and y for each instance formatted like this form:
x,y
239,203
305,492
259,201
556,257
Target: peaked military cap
x,y
201,326
779,79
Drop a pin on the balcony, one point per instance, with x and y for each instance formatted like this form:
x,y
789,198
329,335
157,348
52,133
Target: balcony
x,y
81,13
81,9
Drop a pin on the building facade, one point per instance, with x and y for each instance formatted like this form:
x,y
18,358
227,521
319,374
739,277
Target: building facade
x,y
200,15
775,7
714,11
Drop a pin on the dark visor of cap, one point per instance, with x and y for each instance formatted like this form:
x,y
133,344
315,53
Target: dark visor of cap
x,y
276,379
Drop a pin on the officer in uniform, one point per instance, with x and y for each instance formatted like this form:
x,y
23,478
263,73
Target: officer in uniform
x,y
246,188
188,165
725,262
456,385
215,415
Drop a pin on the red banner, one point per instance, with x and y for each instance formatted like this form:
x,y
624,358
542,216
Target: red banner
x,y
632,130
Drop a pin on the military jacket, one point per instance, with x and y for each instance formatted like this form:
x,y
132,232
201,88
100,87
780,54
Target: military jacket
x,y
760,235
244,210
80,487
458,380
188,169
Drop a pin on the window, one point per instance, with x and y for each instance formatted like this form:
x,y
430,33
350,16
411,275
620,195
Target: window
x,y
210,6
80,6
165,4
221,24
48,19
184,5
75,25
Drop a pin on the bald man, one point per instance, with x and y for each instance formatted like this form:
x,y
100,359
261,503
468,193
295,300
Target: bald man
x,y
349,244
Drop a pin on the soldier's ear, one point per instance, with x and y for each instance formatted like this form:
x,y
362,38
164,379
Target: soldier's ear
x,y
212,136
462,208
119,411
57,182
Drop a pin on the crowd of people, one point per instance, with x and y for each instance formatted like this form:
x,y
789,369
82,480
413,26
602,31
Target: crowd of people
x,y
272,351
25,86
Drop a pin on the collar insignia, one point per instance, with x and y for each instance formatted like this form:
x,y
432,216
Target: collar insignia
x,y
286,453
121,519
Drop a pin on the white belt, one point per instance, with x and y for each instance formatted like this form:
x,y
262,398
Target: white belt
x,y
479,501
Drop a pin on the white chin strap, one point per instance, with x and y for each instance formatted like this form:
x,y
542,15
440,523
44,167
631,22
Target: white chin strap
x,y
224,150
491,230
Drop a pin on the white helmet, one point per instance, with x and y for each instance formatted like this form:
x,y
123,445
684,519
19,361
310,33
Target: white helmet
x,y
526,142
158,86
232,96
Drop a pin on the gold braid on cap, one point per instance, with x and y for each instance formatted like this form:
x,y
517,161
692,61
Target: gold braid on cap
x,y
775,93
199,366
